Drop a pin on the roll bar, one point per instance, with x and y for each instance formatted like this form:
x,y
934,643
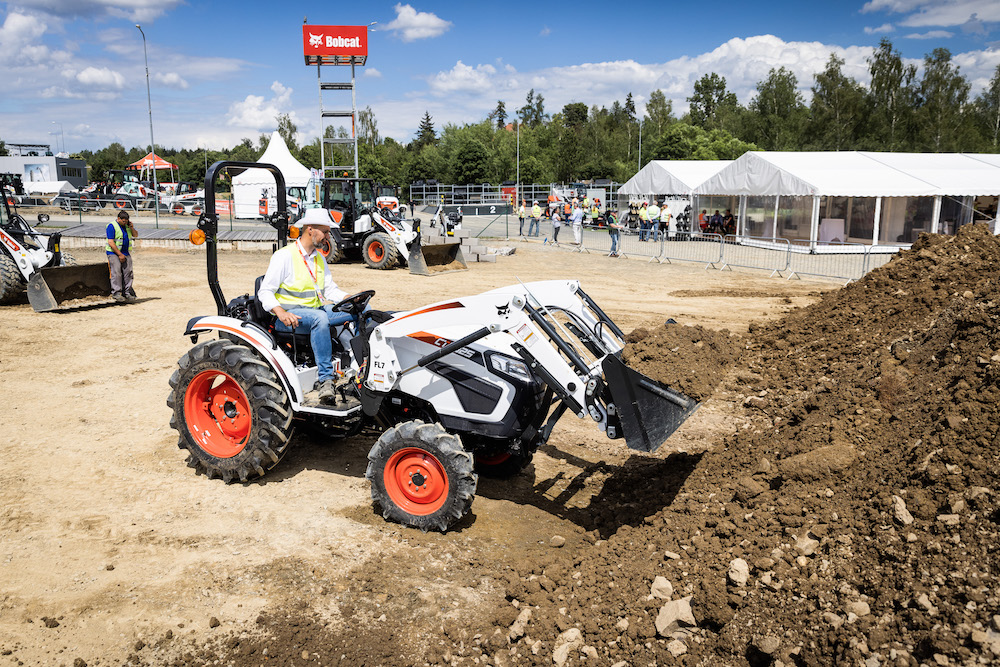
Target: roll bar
x,y
209,220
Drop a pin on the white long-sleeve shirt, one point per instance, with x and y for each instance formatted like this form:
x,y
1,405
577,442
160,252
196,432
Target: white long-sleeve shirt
x,y
280,269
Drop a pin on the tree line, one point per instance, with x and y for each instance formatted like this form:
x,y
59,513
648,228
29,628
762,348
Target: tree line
x,y
896,111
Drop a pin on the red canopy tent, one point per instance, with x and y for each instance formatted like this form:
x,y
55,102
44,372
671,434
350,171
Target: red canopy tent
x,y
151,162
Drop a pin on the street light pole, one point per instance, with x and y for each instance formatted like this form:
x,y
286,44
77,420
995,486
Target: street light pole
x,y
63,134
152,144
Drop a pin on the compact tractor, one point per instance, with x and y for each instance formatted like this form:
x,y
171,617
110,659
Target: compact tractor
x,y
32,262
382,237
458,388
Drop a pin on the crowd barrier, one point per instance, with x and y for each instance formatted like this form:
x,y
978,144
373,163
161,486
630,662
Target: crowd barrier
x,y
779,256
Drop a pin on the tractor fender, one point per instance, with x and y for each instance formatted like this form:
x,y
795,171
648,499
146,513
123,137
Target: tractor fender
x,y
17,252
401,233
256,338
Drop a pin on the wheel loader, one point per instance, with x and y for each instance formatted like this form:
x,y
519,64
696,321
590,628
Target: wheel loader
x,y
32,262
458,388
383,237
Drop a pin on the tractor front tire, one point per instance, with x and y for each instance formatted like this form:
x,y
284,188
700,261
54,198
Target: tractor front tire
x,y
421,476
379,252
231,412
13,288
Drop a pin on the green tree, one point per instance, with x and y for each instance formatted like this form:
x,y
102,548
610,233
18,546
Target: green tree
x,y
500,114
532,113
945,92
470,162
710,102
425,133
3,148
575,114
368,128
287,129
837,108
779,110
684,141
892,98
987,112
660,111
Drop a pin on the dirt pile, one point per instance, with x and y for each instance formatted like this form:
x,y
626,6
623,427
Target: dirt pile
x,y
852,520
691,359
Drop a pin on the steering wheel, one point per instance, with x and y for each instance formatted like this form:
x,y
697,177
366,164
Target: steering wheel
x,y
355,304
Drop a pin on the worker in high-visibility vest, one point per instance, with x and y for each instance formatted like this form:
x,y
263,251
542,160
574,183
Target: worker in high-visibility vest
x,y
643,222
536,213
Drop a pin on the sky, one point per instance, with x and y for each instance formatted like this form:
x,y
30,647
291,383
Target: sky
x,y
219,71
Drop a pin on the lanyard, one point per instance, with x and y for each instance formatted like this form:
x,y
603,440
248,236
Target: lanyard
x,y
308,268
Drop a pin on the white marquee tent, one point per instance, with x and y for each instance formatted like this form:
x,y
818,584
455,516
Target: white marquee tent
x,y
670,177
253,184
868,197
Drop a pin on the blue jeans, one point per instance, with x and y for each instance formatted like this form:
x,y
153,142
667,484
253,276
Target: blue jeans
x,y
317,322
614,240
533,225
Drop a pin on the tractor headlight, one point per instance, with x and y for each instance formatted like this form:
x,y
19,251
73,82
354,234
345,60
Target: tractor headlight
x,y
513,367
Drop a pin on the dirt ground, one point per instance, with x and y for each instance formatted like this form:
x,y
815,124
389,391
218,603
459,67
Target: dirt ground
x,y
112,551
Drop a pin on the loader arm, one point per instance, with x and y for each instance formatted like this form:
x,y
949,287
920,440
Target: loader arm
x,y
563,337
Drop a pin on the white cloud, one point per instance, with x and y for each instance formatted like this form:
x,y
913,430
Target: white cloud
x,y
410,25
19,39
259,114
372,73
932,34
463,78
545,32
171,80
926,13
885,27
101,79
133,10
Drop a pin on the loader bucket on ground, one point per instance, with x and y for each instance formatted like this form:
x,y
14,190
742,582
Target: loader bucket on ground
x,y
650,411
49,289
430,260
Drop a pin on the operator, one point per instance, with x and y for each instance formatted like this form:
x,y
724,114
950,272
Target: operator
x,y
300,291
121,236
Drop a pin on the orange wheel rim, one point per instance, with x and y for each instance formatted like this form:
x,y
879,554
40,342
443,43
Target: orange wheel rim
x,y
119,204
496,459
217,413
325,249
376,252
416,481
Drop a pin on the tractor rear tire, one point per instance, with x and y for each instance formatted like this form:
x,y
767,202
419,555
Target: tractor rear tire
x,y
421,476
332,253
231,412
379,252
13,288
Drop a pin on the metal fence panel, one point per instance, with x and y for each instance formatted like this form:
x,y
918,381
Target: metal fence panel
x,y
691,247
841,261
769,253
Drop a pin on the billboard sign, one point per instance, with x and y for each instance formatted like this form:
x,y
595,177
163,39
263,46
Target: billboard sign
x,y
326,43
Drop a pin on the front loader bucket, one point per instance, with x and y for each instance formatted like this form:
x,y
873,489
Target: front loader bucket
x,y
650,411
49,288
430,260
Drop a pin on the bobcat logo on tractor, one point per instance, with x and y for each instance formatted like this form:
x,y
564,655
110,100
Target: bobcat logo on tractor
x,y
315,40
503,309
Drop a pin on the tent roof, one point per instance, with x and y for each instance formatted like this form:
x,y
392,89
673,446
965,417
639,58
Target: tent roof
x,y
145,162
294,172
670,177
857,174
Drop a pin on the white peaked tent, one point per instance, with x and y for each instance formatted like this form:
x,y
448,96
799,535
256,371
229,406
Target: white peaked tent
x,y
670,177
252,184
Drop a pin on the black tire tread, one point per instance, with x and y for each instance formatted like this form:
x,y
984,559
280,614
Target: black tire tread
x,y
447,448
391,258
13,288
272,414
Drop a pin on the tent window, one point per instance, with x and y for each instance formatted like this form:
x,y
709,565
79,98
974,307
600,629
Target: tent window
x,y
795,217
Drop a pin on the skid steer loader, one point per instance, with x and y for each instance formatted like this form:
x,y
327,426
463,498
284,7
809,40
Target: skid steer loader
x,y
458,388
32,262
382,237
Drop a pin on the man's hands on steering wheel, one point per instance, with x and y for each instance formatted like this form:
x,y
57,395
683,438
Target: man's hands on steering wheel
x,y
355,304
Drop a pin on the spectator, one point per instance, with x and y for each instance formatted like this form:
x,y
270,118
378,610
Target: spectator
x,y
703,219
556,224
595,214
577,220
728,223
536,213
666,221
520,219
715,224
643,221
615,230
654,221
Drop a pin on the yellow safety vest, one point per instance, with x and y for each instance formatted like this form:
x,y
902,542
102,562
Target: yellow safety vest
x,y
119,238
643,214
301,290
536,211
